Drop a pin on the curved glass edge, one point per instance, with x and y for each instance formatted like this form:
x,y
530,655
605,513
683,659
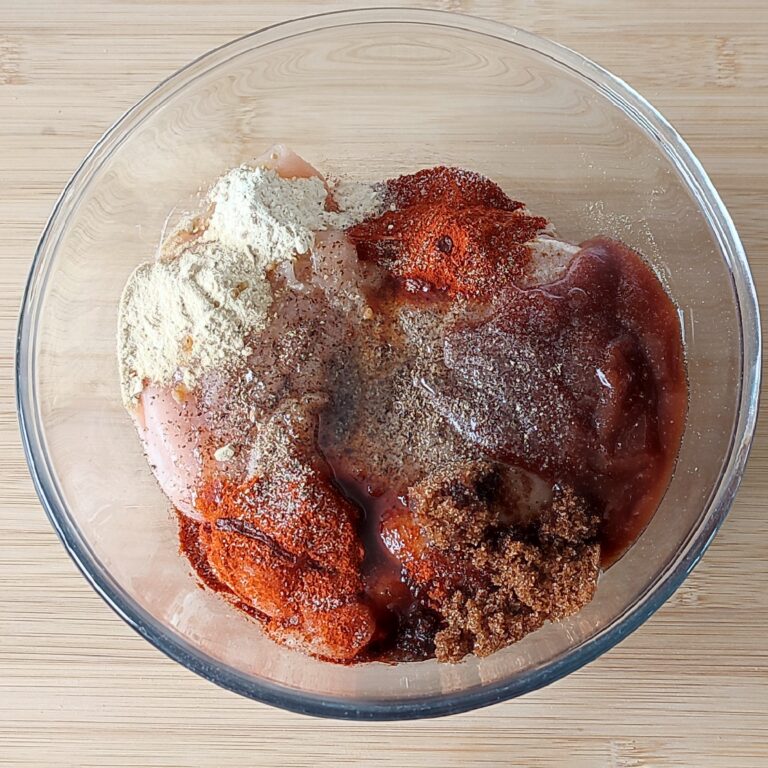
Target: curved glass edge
x,y
650,120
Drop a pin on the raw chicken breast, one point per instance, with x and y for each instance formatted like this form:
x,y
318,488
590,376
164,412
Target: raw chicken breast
x,y
287,163
171,428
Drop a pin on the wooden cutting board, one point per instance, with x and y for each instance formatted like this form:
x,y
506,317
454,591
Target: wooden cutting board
x,y
78,688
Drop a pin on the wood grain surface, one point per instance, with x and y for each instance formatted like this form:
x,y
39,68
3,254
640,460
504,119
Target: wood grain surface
x,y
79,688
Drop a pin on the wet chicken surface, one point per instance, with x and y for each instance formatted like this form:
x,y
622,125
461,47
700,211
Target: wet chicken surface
x,y
427,452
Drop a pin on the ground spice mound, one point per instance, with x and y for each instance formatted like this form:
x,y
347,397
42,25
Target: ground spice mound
x,y
453,186
285,542
436,246
449,230
492,573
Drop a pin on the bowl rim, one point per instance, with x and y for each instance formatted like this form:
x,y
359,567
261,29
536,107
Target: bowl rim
x,y
653,596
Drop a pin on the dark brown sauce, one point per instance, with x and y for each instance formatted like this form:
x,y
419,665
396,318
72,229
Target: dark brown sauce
x,y
405,627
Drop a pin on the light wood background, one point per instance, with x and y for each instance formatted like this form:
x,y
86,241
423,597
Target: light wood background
x,y
78,688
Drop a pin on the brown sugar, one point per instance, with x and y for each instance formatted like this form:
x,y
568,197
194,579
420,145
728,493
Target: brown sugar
x,y
492,577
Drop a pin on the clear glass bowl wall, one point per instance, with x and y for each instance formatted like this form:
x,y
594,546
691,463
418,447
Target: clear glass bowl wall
x,y
373,94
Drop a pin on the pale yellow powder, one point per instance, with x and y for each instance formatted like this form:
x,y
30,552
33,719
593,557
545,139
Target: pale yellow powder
x,y
192,310
181,317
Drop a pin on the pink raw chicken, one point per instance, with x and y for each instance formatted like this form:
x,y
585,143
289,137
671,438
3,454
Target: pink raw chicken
x,y
172,432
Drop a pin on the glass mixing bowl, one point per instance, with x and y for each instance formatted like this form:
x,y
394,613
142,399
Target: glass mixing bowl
x,y
373,94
